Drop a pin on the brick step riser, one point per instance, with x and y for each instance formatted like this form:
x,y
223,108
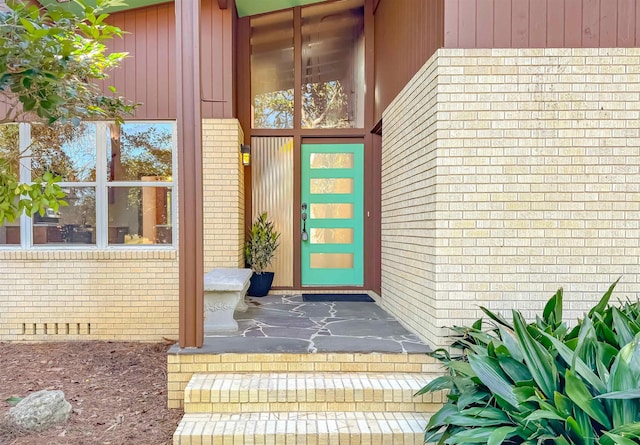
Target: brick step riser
x,y
375,438
308,392
246,407
300,428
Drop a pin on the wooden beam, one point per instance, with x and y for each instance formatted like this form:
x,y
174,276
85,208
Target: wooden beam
x,y
189,112
223,4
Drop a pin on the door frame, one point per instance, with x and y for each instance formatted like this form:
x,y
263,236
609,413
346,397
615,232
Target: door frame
x,y
372,143
356,273
372,243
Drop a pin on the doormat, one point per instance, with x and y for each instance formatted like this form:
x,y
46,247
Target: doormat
x,y
318,298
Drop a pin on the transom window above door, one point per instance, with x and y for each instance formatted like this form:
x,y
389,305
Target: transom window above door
x,y
321,45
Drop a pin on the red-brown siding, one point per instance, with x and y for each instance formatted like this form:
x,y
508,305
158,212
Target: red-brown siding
x,y
541,23
148,75
407,33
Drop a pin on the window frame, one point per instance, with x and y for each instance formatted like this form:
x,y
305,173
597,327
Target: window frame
x,y
101,186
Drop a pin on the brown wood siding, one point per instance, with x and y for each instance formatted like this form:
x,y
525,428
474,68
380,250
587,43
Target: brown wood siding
x,y
407,33
148,75
541,23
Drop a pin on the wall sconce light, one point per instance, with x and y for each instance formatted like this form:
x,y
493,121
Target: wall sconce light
x,y
245,151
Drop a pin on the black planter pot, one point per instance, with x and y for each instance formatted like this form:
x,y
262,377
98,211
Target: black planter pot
x,y
260,284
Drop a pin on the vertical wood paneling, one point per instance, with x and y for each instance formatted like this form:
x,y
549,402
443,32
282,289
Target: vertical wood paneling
x,y
228,64
520,23
555,23
152,60
172,77
538,23
206,52
129,65
541,23
626,23
573,23
502,24
591,23
637,27
451,23
405,38
140,60
148,75
608,23
467,21
485,22
217,68
164,66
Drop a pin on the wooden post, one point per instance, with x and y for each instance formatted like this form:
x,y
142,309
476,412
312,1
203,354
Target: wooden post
x,y
189,173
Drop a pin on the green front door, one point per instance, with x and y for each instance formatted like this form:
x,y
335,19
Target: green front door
x,y
332,213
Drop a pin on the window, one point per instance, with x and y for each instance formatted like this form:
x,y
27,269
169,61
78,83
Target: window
x,y
118,181
10,160
333,65
329,58
272,70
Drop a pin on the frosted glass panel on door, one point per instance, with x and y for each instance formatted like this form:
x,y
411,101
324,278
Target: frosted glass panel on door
x,y
322,186
332,261
331,211
331,160
331,236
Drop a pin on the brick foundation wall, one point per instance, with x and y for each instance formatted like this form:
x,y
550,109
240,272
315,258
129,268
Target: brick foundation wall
x,y
507,174
88,295
223,193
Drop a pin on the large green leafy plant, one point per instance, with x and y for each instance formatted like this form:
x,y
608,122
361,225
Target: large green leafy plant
x,y
541,382
262,244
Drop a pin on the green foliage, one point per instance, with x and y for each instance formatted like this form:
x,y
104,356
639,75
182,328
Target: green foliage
x,y
541,383
16,198
50,62
262,244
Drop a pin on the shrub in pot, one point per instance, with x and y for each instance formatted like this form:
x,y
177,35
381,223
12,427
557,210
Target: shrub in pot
x,y
259,251
541,382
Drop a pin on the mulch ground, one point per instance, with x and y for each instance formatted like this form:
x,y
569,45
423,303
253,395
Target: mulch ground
x,y
118,392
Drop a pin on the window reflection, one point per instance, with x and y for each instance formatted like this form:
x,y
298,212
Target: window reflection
x,y
10,162
140,215
136,151
73,224
65,150
333,65
272,70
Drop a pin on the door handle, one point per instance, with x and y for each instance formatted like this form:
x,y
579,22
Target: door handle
x,y
305,235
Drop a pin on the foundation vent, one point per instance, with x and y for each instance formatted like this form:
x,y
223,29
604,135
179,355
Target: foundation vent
x,y
56,329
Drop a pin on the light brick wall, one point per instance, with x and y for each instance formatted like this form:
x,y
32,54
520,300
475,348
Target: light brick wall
x,y
88,295
520,176
223,192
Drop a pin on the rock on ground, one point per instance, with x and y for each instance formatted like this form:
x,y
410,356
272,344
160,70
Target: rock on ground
x,y
40,410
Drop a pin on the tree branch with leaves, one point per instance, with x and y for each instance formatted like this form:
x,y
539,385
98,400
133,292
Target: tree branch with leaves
x,y
50,62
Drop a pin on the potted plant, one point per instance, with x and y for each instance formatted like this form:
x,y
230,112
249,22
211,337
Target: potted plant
x,y
259,250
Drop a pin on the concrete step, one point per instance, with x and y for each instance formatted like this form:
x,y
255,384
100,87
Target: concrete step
x,y
308,392
344,428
